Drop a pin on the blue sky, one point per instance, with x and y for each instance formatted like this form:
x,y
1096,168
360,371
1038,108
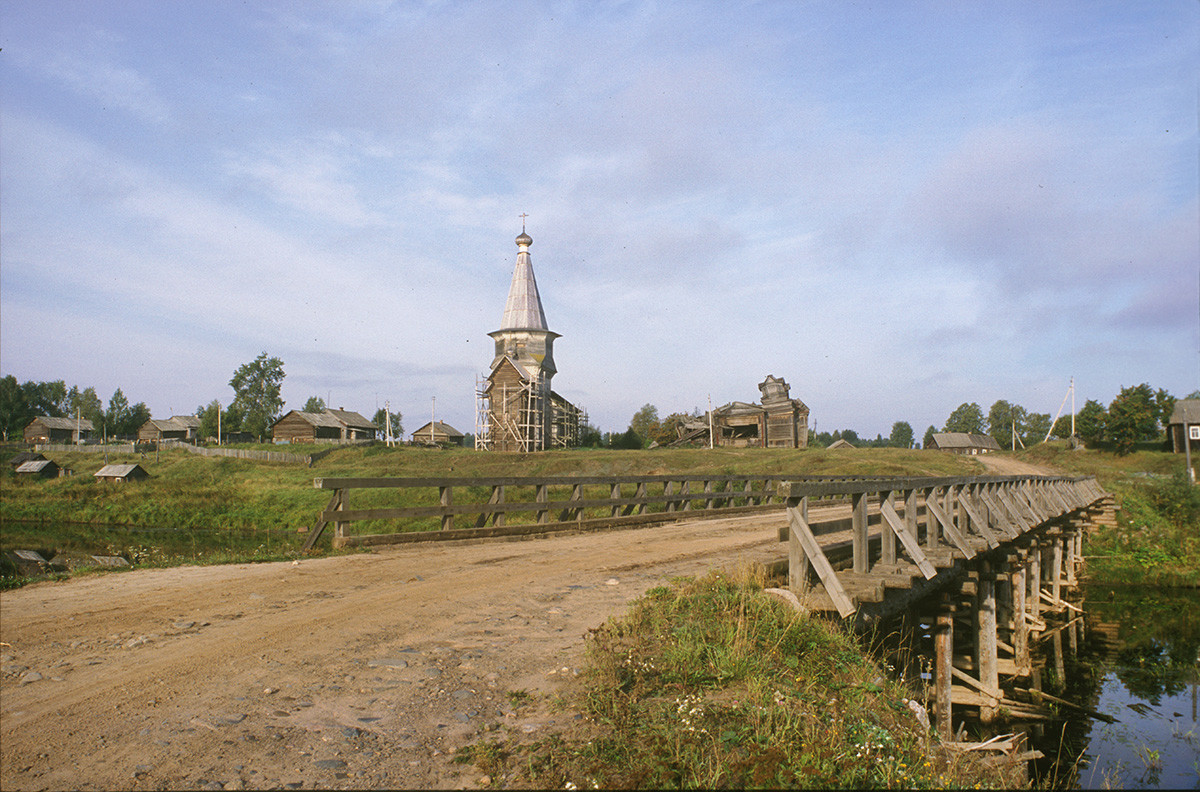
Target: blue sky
x,y
896,207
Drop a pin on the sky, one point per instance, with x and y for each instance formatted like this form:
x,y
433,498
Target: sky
x,y
897,207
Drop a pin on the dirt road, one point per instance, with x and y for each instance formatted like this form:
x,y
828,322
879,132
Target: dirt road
x,y
357,671
1007,466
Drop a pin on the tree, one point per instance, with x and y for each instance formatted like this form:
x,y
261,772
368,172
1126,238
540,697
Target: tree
x,y
1165,403
210,425
256,393
1132,417
1002,418
627,441
928,438
901,436
850,436
316,404
1091,422
116,418
1062,428
590,437
380,420
138,415
645,422
966,418
15,414
86,404
1037,426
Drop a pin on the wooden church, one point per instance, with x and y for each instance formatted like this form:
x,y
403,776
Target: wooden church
x,y
517,408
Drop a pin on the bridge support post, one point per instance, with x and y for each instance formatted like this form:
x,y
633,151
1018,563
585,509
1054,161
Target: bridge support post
x,y
1056,559
943,651
1020,622
887,539
931,523
862,544
1035,580
985,637
798,563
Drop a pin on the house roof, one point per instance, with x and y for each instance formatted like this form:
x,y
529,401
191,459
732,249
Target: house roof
x,y
117,471
523,310
351,419
439,427
965,440
840,443
64,423
25,456
35,465
1186,411
332,419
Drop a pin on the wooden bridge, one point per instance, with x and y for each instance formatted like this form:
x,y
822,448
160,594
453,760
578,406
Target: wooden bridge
x,y
986,555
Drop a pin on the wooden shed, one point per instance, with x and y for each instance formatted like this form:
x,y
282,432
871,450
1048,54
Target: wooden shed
x,y
121,473
45,429
840,443
437,433
967,443
177,427
298,426
38,468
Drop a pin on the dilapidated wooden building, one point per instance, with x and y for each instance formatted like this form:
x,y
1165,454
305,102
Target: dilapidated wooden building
x,y
779,422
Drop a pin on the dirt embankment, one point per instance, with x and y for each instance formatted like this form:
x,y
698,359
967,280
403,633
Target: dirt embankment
x,y
357,671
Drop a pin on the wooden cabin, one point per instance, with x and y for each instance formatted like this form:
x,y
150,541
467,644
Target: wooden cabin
x,y
298,426
967,443
177,427
45,429
437,433
119,474
38,468
1185,418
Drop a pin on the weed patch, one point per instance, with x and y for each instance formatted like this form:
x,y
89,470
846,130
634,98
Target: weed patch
x,y
710,683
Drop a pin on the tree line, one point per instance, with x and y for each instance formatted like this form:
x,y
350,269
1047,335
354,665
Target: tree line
x,y
1137,414
255,406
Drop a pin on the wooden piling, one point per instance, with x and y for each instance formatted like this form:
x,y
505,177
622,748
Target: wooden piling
x,y
985,637
943,650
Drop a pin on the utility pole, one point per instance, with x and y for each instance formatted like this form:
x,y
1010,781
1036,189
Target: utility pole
x,y
387,420
432,419
710,422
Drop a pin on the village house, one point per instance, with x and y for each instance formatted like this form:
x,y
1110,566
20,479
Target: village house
x,y
1184,426
177,427
328,426
967,443
45,429
437,433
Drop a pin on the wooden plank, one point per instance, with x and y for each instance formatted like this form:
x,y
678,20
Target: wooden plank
x,y
816,557
999,515
977,521
862,546
996,694
949,529
907,539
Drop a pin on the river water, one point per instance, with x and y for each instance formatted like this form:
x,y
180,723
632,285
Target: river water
x,y
1137,661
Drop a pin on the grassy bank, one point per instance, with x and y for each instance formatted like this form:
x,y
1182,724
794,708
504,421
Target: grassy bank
x,y
710,683
1157,539
196,509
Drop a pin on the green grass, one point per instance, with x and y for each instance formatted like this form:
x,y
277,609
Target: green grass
x,y
196,509
709,683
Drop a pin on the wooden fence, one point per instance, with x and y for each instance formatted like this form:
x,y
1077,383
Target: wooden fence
x,y
455,508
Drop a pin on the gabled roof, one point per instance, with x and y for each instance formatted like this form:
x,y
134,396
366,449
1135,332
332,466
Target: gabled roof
x,y
439,427
119,471
332,419
351,419
1186,411
523,310
35,465
965,440
64,423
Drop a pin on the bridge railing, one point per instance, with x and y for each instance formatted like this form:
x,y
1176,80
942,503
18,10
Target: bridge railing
x,y
436,508
924,524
